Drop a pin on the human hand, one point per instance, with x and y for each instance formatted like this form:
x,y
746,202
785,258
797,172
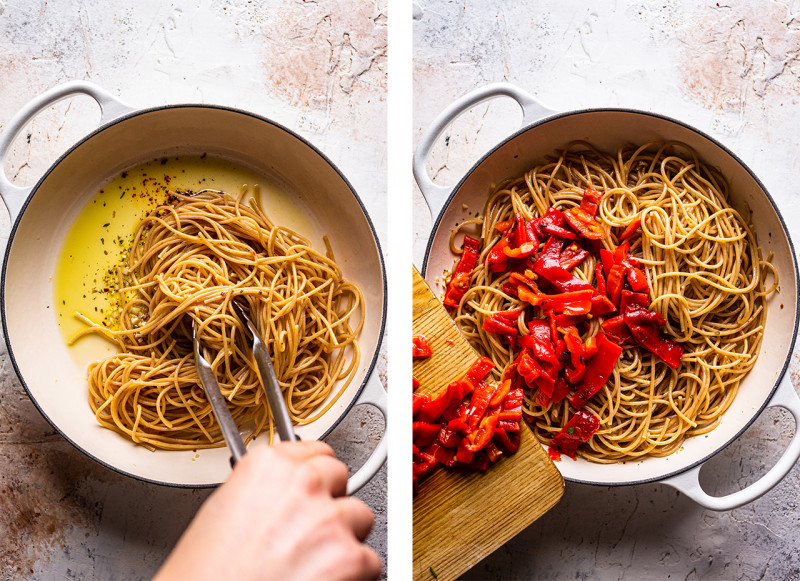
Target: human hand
x,y
282,514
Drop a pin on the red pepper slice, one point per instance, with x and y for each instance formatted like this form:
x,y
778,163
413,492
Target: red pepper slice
x,y
500,325
584,223
630,229
644,326
417,402
560,390
553,223
548,265
575,371
509,442
629,298
523,250
540,341
459,281
414,382
482,433
577,302
479,403
424,433
600,278
617,331
572,255
601,306
504,226
478,370
591,201
496,258
614,283
449,437
598,370
421,347
431,411
577,430
638,280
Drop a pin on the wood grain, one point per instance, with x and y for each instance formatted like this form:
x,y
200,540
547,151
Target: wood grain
x,y
460,517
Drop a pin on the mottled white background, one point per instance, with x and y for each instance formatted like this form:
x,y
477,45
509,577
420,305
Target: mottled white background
x,y
318,68
732,70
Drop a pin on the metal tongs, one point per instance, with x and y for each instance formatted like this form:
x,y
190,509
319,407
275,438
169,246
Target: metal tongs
x,y
228,427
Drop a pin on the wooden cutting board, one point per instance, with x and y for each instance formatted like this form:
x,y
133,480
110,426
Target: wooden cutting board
x,y
461,517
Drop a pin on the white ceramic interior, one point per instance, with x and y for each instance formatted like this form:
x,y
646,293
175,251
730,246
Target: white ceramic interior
x,y
608,129
54,379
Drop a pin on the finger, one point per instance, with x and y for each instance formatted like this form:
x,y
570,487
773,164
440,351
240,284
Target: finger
x,y
371,564
356,515
302,450
331,473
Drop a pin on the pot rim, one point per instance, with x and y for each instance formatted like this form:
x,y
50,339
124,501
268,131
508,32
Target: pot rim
x,y
139,112
437,224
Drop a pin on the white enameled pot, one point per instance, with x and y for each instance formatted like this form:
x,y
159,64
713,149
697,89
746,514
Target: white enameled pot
x,y
42,216
543,132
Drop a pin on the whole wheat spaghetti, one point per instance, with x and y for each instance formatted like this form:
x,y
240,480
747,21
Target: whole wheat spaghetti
x,y
707,278
188,259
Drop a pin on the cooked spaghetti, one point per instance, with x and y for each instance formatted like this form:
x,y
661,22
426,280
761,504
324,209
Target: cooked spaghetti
x,y
707,278
189,258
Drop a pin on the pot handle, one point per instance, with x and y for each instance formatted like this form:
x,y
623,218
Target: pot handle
x,y
373,394
110,108
688,482
436,195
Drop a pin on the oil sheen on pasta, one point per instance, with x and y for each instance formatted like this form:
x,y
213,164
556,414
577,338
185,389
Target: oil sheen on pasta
x,y
101,234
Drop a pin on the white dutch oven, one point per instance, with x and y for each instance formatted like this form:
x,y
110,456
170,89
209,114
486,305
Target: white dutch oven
x,y
42,215
543,132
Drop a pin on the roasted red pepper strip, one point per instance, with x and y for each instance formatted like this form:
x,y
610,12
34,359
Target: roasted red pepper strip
x,y
578,430
577,302
479,403
617,331
482,433
422,348
629,298
584,223
598,370
431,411
502,323
630,229
524,250
560,390
638,280
600,277
459,281
478,370
573,373
615,283
591,201
540,341
572,255
424,433
553,223
644,326
497,259
504,226
418,399
548,266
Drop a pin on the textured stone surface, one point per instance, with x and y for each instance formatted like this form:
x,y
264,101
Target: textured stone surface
x,y
318,68
728,68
